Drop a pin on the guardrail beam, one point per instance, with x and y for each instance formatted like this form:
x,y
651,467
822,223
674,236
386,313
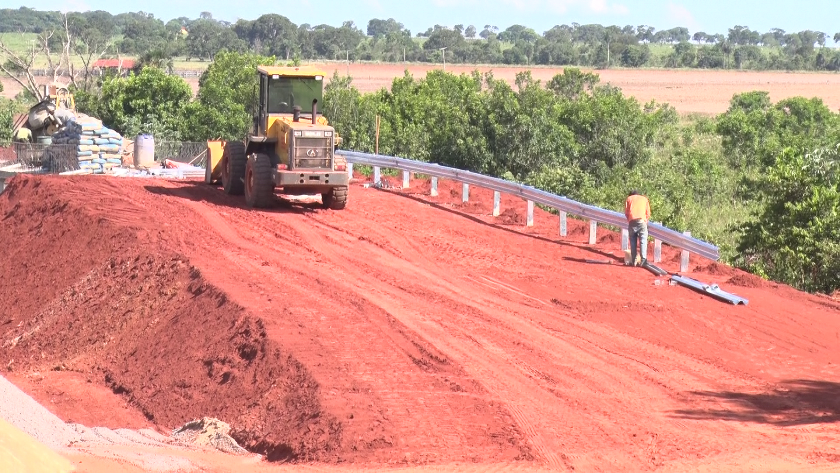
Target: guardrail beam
x,y
593,230
497,203
530,219
465,192
528,193
563,228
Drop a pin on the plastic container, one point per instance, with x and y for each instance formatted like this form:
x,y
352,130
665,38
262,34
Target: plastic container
x,y
45,140
144,151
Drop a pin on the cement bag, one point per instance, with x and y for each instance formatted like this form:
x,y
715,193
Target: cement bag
x,y
101,141
85,162
116,161
115,141
98,161
83,153
109,148
85,142
88,133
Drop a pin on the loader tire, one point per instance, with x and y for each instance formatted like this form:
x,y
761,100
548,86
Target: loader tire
x,y
336,198
234,161
259,185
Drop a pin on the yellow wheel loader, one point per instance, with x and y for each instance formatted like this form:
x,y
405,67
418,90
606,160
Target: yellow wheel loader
x,y
291,149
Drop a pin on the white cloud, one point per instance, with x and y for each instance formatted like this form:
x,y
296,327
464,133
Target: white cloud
x,y
563,6
453,3
682,16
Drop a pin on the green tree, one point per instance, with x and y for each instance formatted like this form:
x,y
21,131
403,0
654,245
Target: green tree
x,y
148,102
227,97
795,237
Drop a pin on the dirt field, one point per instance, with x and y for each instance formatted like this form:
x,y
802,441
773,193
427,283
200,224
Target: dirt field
x,y
689,91
404,331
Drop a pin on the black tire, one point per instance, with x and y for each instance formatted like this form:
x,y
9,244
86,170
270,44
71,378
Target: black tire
x,y
259,185
336,199
234,161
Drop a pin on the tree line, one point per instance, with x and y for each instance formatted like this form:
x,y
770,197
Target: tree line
x,y
593,45
761,180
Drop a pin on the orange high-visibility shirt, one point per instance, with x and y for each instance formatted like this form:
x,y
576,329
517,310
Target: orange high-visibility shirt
x,y
637,206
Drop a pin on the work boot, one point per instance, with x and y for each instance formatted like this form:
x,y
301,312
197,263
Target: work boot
x,y
644,262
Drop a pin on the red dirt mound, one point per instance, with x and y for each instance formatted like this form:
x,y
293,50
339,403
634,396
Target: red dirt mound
x,y
99,289
512,216
716,269
396,332
747,280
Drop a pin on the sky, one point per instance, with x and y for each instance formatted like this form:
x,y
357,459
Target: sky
x,y
710,16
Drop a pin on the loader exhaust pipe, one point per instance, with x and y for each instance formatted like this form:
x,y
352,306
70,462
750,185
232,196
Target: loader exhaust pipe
x,y
296,113
314,110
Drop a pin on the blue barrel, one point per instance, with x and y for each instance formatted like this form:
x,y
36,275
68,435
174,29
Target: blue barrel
x,y
144,151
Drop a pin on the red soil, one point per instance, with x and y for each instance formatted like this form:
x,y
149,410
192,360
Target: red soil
x,y
404,330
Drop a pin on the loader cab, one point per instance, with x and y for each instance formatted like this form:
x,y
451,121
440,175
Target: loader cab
x,y
290,92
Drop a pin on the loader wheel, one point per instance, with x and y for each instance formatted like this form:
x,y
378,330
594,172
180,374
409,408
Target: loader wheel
x,y
259,185
233,168
335,199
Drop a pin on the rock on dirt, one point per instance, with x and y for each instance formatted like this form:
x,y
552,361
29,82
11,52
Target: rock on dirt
x,y
208,431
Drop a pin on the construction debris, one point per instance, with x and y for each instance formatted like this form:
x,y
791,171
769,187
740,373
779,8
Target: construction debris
x,y
211,432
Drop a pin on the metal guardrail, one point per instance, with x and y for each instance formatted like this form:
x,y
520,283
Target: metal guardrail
x,y
531,194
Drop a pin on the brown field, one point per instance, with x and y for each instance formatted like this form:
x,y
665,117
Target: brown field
x,y
689,91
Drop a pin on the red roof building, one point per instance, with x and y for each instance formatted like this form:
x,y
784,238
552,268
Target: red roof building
x,y
125,64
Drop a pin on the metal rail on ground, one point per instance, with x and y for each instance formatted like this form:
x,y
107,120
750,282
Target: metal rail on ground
x,y
532,195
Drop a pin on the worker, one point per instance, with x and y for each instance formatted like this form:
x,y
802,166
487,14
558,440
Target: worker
x,y
637,211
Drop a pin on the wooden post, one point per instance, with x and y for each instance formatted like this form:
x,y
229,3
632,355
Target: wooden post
x,y
376,151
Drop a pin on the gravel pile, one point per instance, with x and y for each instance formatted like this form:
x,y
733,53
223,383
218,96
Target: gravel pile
x,y
20,410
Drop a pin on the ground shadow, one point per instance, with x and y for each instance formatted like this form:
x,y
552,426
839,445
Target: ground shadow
x,y
794,402
509,230
198,191
606,262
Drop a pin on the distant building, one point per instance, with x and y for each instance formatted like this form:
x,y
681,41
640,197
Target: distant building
x,y
122,66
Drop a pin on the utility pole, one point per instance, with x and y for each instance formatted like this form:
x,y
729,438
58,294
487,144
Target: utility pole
x,y
443,51
348,63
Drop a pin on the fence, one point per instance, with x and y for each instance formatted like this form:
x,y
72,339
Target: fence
x,y
194,153
40,158
564,206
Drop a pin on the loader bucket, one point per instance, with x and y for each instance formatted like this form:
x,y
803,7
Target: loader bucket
x,y
213,173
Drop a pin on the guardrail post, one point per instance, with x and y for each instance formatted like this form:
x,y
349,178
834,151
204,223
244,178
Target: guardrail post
x,y
465,192
625,239
563,229
684,257
593,229
376,178
406,180
434,192
350,170
657,250
497,203
530,220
